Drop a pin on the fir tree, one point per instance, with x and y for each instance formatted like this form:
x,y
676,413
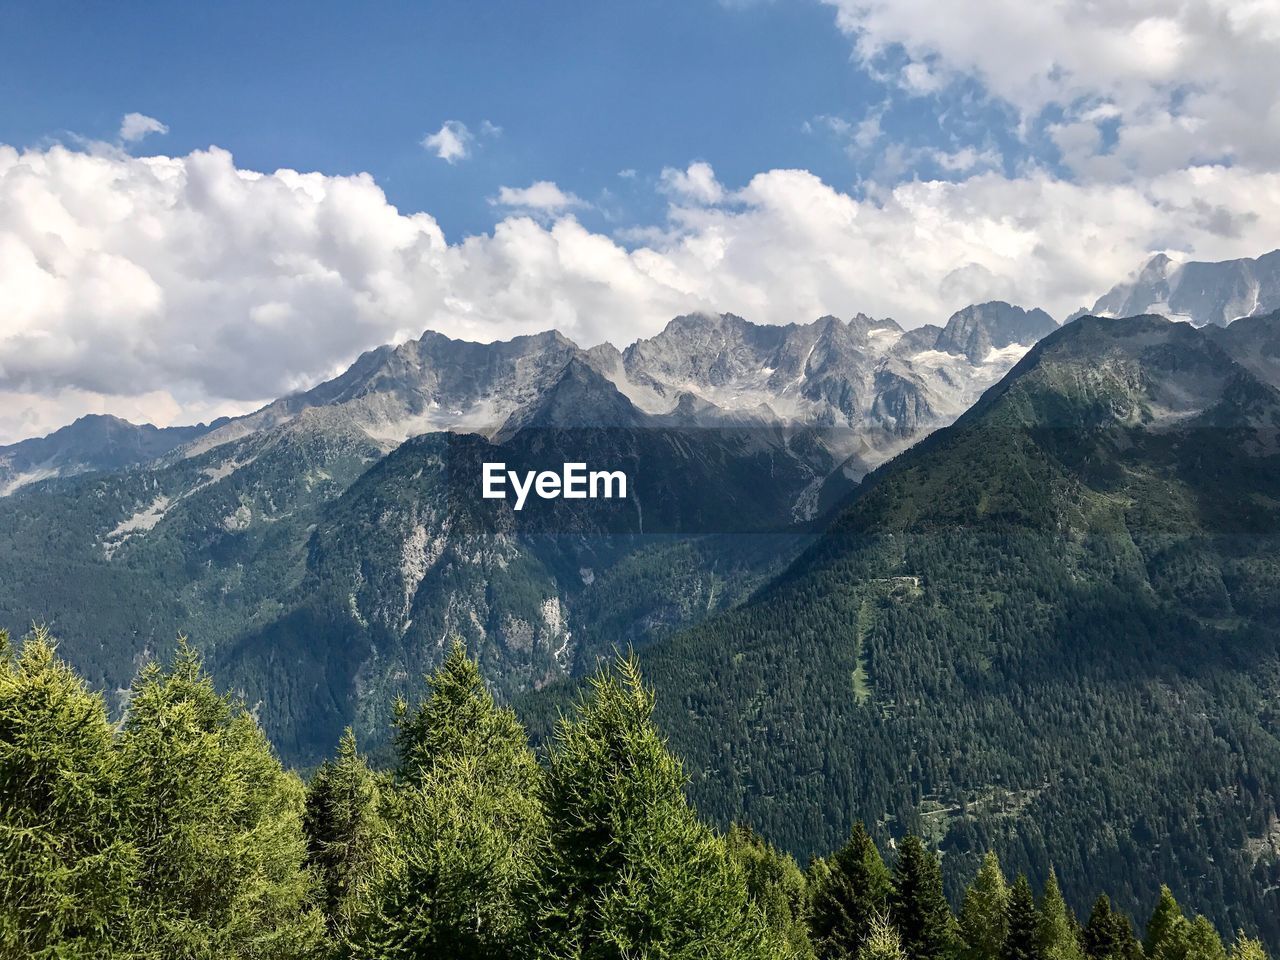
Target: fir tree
x,y
217,824
631,871
919,909
65,872
851,889
343,828
1109,935
1022,939
1059,938
466,828
984,913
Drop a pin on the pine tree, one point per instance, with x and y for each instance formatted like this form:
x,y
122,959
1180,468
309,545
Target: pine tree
x,y
1109,935
1022,940
343,830
217,823
65,872
851,889
776,885
1167,930
882,942
465,828
1058,936
918,907
631,871
984,913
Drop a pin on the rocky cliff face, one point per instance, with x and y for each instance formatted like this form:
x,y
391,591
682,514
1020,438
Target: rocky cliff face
x,y
978,330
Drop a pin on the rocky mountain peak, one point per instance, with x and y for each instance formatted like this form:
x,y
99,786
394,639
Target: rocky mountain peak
x,y
1197,291
979,329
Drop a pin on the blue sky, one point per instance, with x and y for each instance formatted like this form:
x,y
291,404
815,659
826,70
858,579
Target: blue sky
x,y
205,206
580,90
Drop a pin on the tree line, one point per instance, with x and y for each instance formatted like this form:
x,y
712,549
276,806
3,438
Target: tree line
x,y
176,833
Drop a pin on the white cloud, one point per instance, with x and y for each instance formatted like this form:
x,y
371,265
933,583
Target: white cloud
x,y
919,79
966,159
175,289
451,143
543,196
698,183
1189,81
135,126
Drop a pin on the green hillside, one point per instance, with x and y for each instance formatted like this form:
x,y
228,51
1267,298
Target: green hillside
x,y
1050,629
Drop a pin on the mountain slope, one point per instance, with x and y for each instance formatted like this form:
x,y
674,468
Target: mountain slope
x,y
93,442
411,555
309,547
1203,293
873,385
1054,622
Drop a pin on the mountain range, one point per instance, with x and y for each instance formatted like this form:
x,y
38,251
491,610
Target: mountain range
x,y
1199,292
332,535
884,383
999,582
874,387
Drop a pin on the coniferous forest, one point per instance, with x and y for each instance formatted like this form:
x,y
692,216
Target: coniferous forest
x,y
177,833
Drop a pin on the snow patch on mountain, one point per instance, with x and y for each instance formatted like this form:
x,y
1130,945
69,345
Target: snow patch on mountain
x,y
1197,292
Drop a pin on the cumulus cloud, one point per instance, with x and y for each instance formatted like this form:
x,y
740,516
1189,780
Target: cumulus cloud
x,y
179,288
451,143
1185,83
135,126
698,183
543,196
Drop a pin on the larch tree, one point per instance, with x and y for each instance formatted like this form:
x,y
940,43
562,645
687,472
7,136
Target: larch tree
x,y
984,918
465,828
65,870
217,823
1167,930
1203,942
1246,948
776,885
631,871
882,942
1059,936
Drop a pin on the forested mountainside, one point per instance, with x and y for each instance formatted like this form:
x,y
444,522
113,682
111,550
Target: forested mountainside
x,y
322,560
1050,629
178,834
94,442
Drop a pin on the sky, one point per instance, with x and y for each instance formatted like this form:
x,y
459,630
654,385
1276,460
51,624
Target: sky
x,y
203,207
